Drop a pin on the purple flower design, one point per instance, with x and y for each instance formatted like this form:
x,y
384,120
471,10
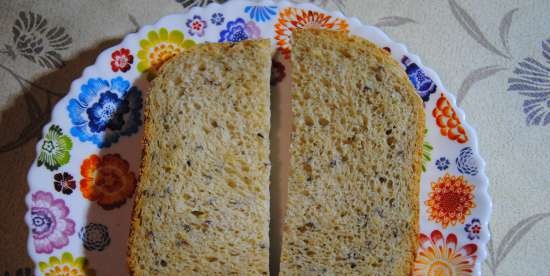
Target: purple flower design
x,y
533,81
442,163
50,226
466,162
196,25
473,229
239,30
217,18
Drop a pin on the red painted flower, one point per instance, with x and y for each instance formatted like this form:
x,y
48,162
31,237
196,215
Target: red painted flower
x,y
107,180
441,256
122,60
450,200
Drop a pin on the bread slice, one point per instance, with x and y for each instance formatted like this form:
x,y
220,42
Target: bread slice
x,y
355,163
202,204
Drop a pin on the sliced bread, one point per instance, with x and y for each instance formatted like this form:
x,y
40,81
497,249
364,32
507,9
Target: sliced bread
x,y
202,203
355,160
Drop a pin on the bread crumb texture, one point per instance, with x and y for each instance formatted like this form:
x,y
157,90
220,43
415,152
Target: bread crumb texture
x,y
202,204
355,160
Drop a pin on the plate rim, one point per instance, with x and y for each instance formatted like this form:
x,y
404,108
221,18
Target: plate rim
x,y
482,186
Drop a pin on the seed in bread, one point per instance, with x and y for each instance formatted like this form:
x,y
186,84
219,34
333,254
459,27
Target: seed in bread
x,y
355,160
202,204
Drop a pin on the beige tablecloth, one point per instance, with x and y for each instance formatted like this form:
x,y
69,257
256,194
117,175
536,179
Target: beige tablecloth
x,y
494,55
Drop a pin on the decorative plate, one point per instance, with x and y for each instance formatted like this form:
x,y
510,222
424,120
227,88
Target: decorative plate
x,y
83,179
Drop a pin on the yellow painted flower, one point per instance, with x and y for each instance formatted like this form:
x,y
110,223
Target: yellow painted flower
x,y
160,46
67,266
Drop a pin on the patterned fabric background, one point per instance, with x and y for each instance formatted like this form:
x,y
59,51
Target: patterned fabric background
x,y
494,55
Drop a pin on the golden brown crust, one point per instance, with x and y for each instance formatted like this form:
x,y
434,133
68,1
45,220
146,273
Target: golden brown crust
x,y
136,218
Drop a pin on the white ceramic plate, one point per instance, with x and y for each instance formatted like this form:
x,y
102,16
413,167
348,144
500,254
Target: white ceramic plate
x,y
83,180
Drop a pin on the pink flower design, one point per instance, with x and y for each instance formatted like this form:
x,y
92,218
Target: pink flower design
x,y
50,226
196,25
253,30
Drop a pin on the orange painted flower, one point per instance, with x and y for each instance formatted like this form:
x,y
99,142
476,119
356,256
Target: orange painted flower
x,y
292,18
107,180
450,200
448,122
440,256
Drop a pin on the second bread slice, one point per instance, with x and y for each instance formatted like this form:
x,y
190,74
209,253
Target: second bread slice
x,y
355,160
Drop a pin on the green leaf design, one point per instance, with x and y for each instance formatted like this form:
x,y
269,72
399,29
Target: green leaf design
x,y
426,151
65,145
55,149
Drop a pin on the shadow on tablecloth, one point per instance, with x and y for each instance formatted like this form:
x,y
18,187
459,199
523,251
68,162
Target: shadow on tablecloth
x,y
21,125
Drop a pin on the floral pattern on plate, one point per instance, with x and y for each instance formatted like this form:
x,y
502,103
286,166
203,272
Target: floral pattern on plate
x,y
121,60
160,46
466,162
448,122
94,236
451,200
239,30
423,84
291,18
217,18
426,151
261,13
64,183
51,226
55,149
85,172
107,180
66,266
473,229
196,25
440,255
105,110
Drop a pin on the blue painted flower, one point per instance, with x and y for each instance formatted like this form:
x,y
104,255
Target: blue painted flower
x,y
423,84
239,30
217,19
466,162
533,82
473,229
261,13
196,25
105,110
94,236
442,163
